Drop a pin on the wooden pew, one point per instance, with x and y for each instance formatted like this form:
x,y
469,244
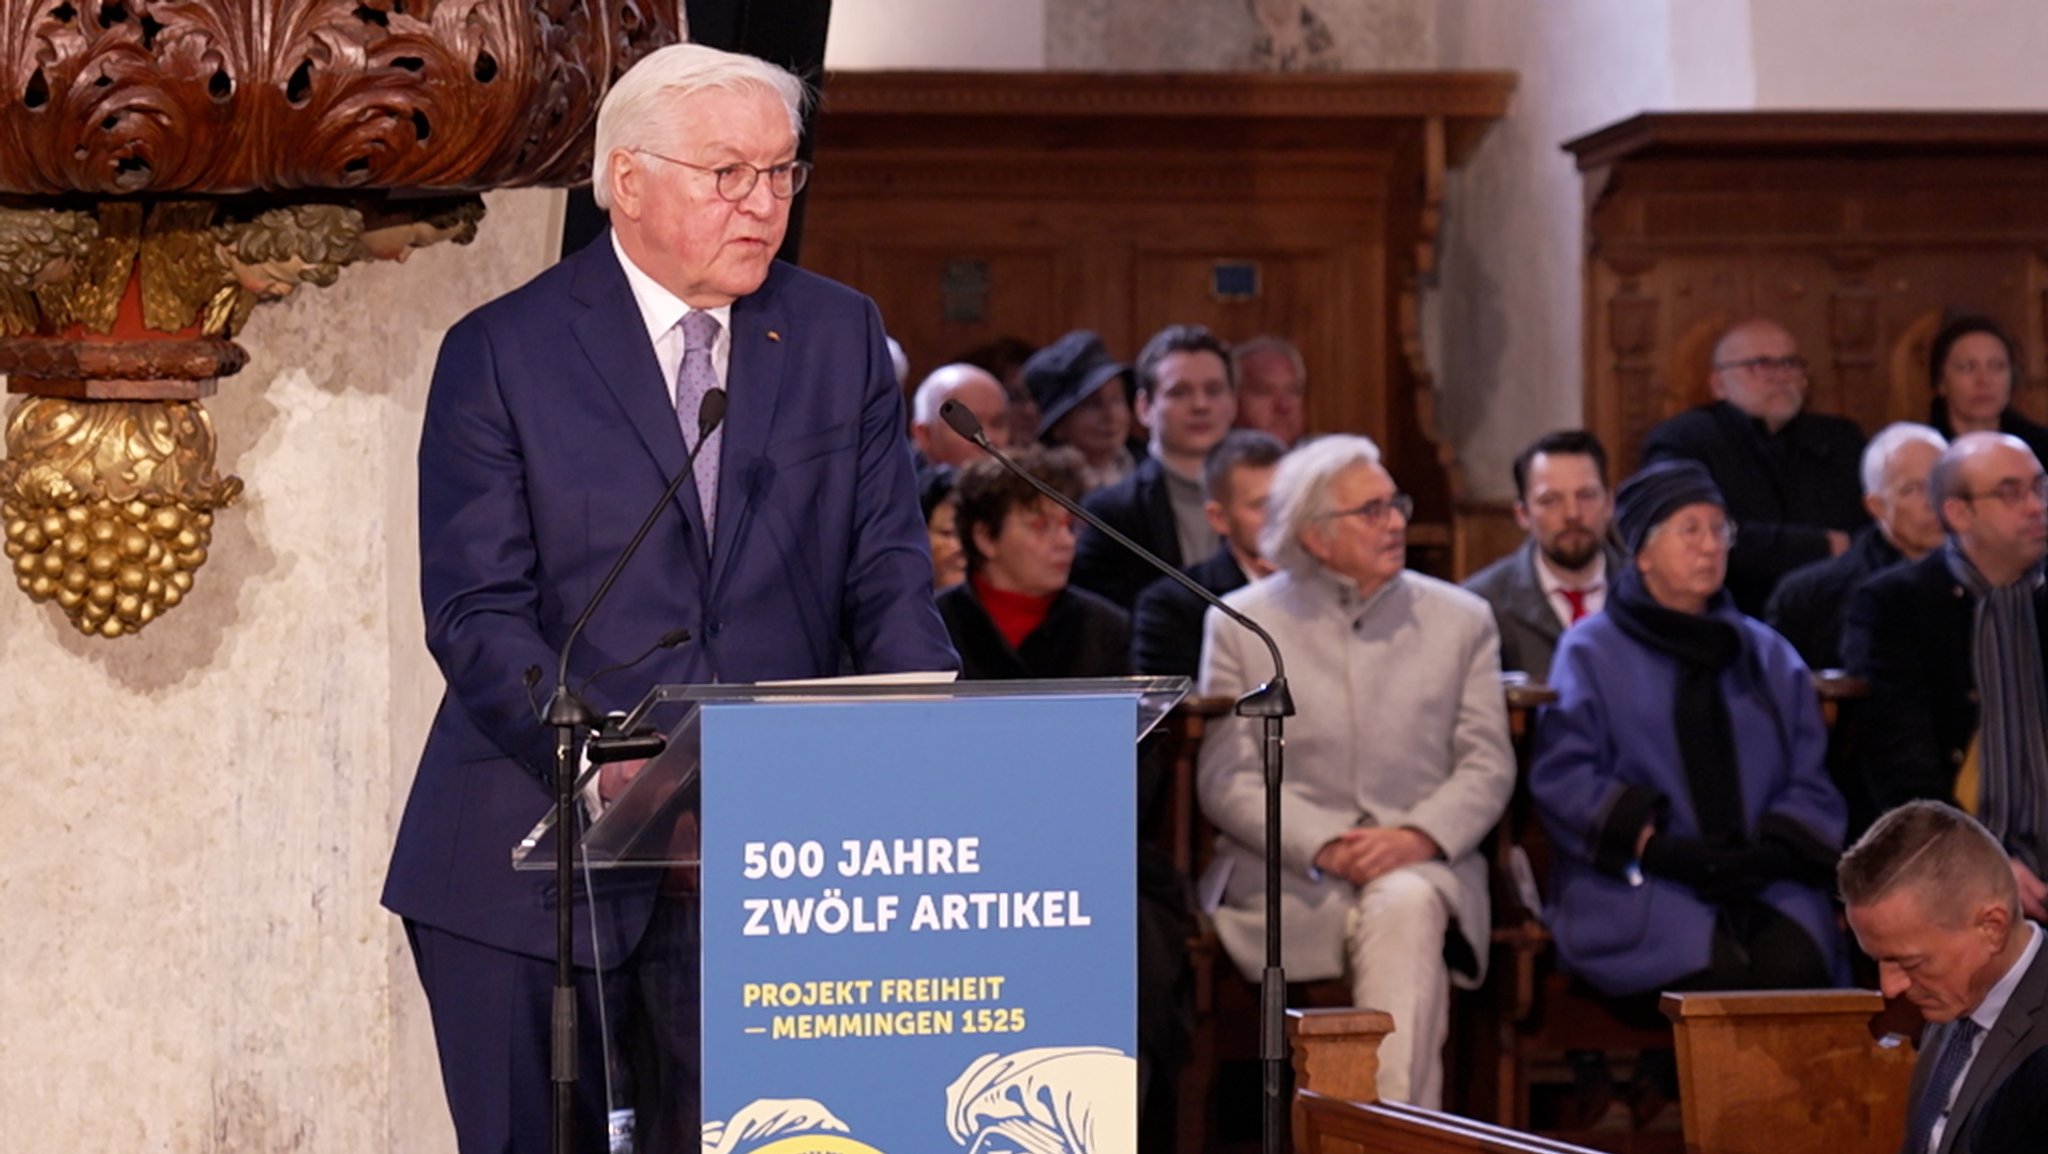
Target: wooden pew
x,y
1766,1073
1337,1108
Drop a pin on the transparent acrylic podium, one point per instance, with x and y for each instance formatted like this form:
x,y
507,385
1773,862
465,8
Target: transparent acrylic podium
x,y
1030,787
639,828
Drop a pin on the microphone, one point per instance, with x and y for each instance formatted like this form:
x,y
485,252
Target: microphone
x,y
564,709
1268,700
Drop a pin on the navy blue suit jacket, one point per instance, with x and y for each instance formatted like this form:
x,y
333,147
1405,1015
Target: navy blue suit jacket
x,y
549,434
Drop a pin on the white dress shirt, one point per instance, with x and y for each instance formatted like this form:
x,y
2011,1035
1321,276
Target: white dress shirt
x,y
662,311
1595,588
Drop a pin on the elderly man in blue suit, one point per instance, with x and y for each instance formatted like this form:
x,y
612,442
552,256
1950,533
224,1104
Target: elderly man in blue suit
x,y
558,414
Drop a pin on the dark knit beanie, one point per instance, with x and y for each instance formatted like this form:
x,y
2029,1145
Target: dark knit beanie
x,y
1649,498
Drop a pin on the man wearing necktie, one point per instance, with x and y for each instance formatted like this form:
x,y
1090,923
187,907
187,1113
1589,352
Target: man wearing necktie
x,y
1933,901
1558,577
557,416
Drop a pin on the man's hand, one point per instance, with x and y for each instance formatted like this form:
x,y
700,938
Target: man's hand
x,y
2033,891
1838,542
1360,856
613,779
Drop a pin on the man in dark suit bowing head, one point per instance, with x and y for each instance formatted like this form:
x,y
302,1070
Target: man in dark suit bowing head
x,y
1933,902
557,416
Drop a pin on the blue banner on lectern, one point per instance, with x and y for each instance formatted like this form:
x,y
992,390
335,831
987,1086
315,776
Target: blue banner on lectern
x,y
920,926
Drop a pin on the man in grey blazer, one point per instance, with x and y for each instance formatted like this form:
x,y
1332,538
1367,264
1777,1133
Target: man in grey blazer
x,y
1932,898
1559,575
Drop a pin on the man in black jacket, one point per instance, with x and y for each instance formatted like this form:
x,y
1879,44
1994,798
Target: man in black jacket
x,y
1789,476
1952,647
1187,396
1166,627
1810,604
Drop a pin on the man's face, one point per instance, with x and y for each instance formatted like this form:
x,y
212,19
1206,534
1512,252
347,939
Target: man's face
x,y
1190,406
1567,508
1943,969
1238,514
707,250
1751,374
1033,551
2002,522
985,398
1357,539
1903,506
1270,396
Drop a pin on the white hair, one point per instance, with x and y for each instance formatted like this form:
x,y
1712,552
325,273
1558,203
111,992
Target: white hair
x,y
943,382
1246,350
1890,440
1301,494
639,111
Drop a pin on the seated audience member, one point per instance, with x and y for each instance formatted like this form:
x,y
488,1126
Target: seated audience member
x,y
1272,385
1810,604
1789,476
1186,398
1952,646
1973,369
1931,899
1166,627
1397,762
1003,359
1083,398
1559,576
937,443
942,525
1680,775
1015,616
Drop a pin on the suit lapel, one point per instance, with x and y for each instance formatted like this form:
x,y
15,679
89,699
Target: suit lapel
x,y
1527,601
610,333
754,385
1995,1055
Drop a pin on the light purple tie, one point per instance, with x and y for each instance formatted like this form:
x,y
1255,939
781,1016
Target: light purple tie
x,y
696,379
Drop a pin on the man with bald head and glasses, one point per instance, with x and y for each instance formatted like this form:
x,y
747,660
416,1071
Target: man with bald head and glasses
x,y
1397,761
1789,476
557,417
1953,644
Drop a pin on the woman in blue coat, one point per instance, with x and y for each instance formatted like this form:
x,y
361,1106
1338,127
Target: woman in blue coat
x,y
1680,775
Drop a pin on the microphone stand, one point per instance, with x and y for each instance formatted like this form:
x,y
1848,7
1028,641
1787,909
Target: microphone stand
x,y
566,714
1272,705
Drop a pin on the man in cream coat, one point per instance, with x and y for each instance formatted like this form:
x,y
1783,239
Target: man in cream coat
x,y
1398,761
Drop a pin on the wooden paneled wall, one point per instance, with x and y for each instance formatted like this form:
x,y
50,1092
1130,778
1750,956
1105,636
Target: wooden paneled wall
x,y
1854,230
973,206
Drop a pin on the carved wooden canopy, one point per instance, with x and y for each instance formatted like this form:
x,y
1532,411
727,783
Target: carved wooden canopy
x,y
135,97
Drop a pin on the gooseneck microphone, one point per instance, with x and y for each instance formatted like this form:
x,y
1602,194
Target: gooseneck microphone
x,y
566,713
963,421
1271,703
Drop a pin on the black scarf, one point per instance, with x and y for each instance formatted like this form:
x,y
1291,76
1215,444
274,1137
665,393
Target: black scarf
x,y
1704,647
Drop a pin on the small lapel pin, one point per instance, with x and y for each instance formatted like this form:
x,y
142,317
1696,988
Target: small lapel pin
x,y
774,336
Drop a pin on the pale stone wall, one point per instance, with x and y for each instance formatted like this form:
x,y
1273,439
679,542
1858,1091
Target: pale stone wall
x,y
199,816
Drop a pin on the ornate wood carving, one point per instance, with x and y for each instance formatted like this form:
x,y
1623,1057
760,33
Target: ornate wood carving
x,y
1856,230
136,97
168,165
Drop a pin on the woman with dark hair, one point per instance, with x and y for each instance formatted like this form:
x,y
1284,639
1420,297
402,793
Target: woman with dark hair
x,y
935,493
1016,617
1973,368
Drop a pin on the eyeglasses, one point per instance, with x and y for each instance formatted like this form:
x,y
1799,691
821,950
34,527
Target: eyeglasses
x,y
1375,511
736,181
1792,364
1699,534
2014,492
